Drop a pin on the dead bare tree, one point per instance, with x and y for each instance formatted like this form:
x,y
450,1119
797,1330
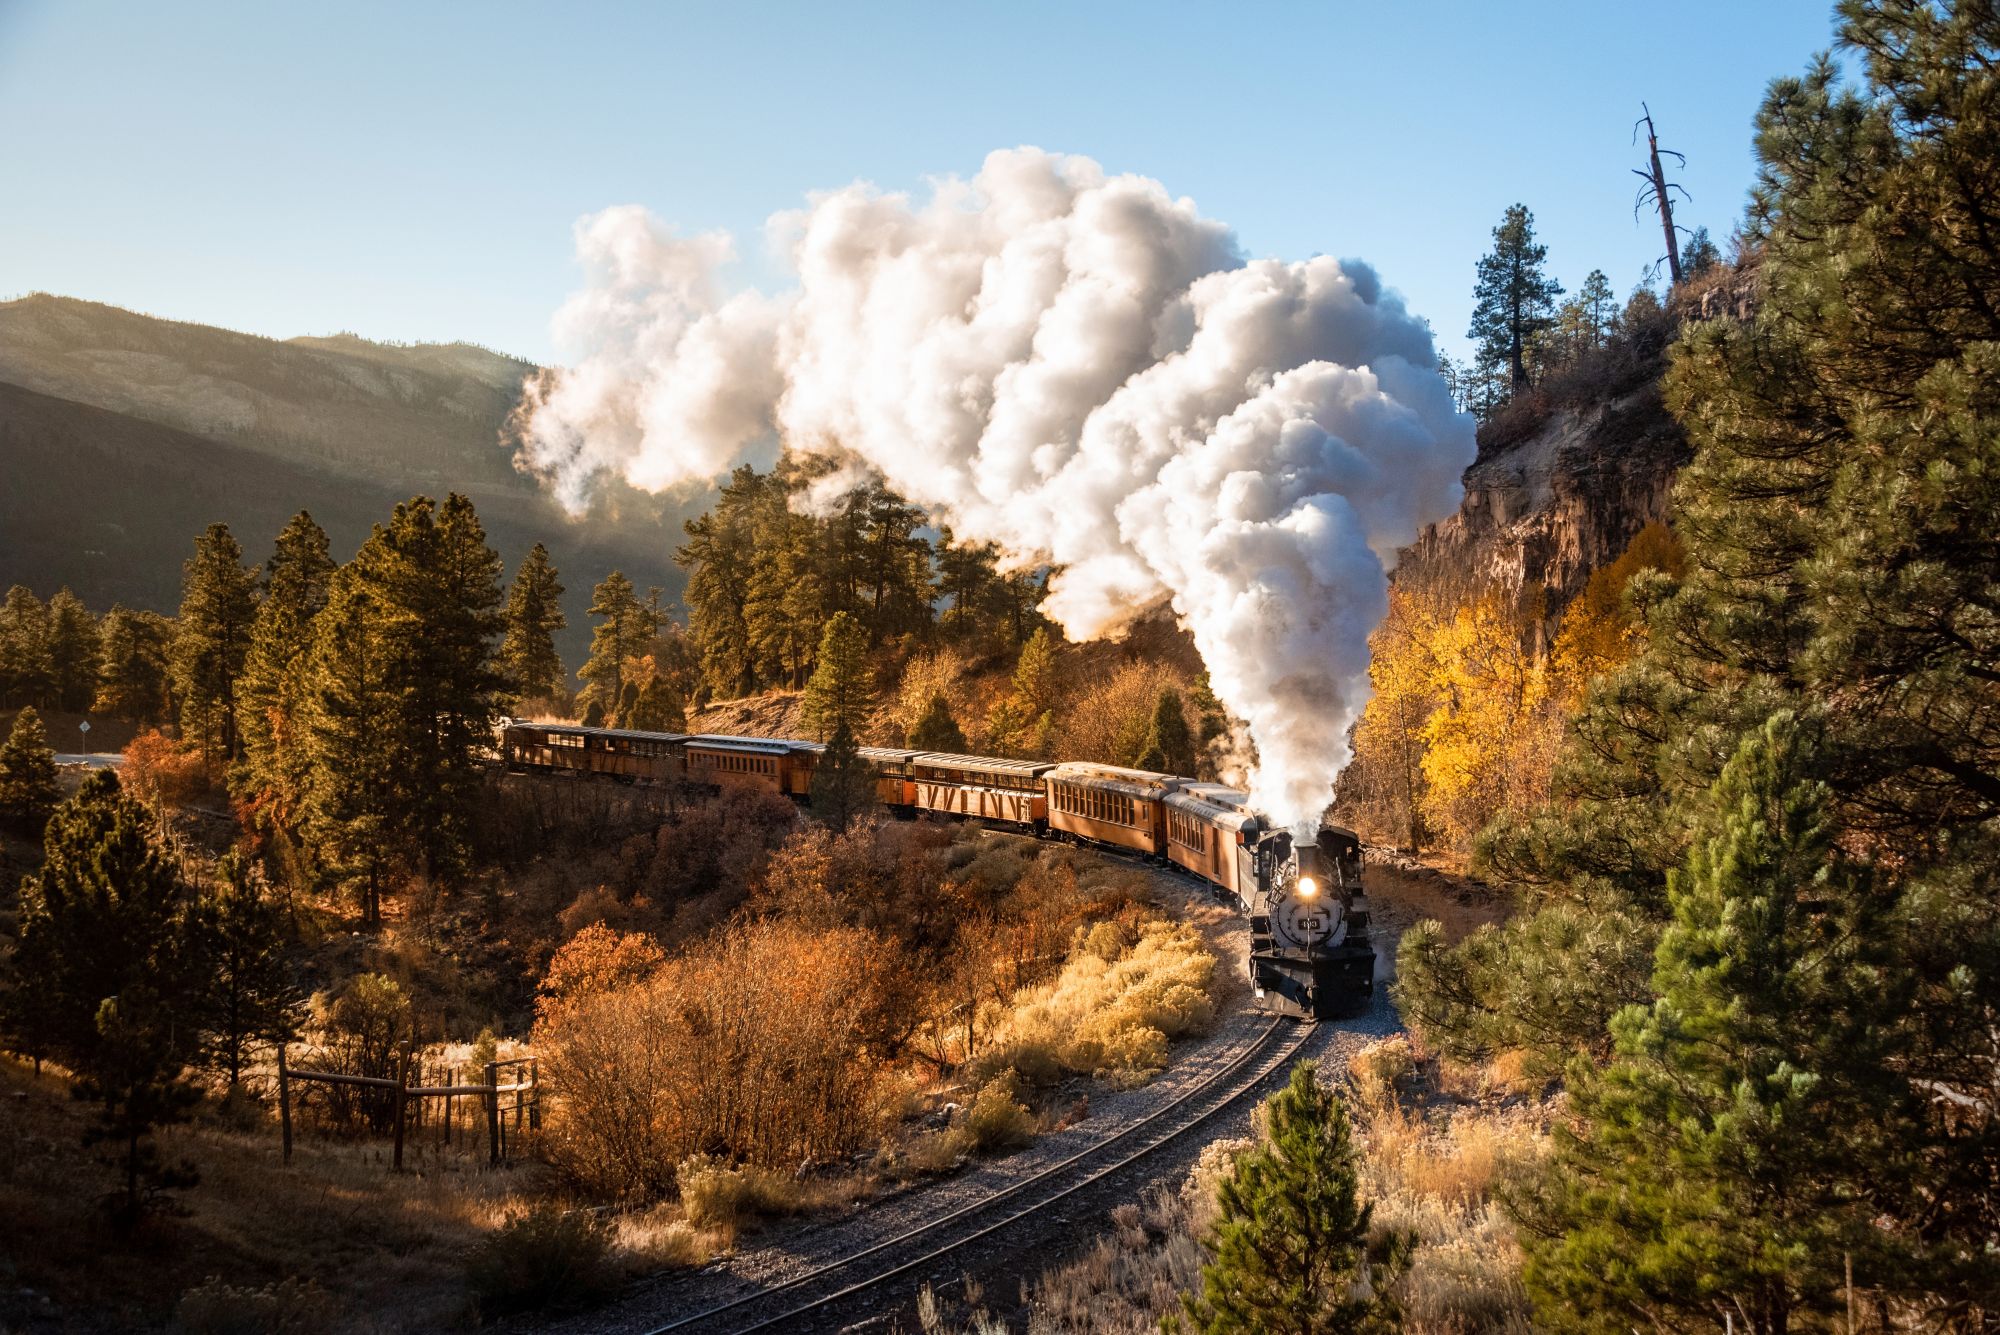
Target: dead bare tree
x,y
1658,190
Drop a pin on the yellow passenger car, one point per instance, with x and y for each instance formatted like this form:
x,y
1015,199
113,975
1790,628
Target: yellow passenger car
x,y
982,787
1110,804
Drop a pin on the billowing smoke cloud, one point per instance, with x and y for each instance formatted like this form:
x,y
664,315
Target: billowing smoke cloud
x,y
1079,368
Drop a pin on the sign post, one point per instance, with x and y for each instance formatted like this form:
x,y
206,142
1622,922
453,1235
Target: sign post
x,y
84,728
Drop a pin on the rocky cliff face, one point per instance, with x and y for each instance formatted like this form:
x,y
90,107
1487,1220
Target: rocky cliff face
x,y
1550,508
1568,474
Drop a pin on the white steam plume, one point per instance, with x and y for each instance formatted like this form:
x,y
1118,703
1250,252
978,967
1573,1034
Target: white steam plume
x,y
1079,368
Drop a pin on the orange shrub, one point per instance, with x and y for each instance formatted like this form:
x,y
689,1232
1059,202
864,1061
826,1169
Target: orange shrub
x,y
749,1046
159,770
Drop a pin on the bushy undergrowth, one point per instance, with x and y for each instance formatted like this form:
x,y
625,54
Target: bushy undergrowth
x,y
540,1258
1114,1007
291,1306
717,1195
998,1121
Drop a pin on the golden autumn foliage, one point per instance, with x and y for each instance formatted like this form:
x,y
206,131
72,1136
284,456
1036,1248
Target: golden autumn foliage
x,y
1468,707
748,1047
1600,633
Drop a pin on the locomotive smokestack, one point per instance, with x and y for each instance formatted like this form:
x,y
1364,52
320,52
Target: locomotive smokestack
x,y
1077,367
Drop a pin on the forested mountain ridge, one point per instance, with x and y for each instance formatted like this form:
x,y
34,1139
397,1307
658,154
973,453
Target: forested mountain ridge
x,y
122,434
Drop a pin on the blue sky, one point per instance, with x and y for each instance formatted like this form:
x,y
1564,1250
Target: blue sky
x,y
412,171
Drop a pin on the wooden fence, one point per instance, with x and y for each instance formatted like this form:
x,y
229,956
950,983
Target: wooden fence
x,y
510,1094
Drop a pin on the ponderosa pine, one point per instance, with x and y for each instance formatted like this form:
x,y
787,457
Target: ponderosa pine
x,y
270,697
211,641
29,788
534,615
1293,1240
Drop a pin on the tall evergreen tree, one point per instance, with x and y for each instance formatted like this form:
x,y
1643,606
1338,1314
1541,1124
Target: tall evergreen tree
x,y
842,686
29,790
843,785
1169,745
718,559
435,594
132,676
625,628
1514,300
352,797
104,914
1713,1168
271,693
75,652
534,615
937,730
27,667
211,640
1025,720
897,562
247,995
1292,1241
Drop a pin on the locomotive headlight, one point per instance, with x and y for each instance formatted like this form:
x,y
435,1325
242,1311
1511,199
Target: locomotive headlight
x,y
1308,886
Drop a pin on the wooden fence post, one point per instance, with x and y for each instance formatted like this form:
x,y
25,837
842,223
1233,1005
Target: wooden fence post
x,y
493,1112
284,1102
534,1093
402,1097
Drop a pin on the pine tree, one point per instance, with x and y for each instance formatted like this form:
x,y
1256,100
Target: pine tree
x,y
74,652
134,1073
434,588
897,567
271,692
353,794
843,786
718,559
103,914
1169,747
1514,300
842,686
1025,720
937,730
247,994
1838,520
625,629
1292,1241
1600,307
1699,255
211,640
29,788
27,667
133,673
534,615
1712,1172
658,709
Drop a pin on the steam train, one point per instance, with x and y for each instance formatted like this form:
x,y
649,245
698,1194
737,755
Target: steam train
x,y
1310,954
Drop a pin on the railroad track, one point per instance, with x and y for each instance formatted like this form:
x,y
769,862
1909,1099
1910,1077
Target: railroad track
x,y
816,1293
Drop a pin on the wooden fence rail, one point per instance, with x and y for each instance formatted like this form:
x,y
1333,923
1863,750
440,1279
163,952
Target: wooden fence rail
x,y
523,1086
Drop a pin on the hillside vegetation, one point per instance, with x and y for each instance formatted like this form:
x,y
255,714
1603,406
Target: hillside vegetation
x,y
120,434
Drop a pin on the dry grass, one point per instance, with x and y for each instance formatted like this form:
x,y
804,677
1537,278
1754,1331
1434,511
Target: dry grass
x,y
336,1242
1429,1165
1432,1151
1114,1008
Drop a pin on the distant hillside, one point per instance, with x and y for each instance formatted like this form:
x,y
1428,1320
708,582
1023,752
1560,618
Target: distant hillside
x,y
121,436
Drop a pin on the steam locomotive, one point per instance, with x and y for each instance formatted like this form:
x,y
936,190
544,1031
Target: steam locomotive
x,y
1310,954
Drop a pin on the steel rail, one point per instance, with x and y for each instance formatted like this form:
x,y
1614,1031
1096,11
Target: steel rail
x,y
1251,1052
